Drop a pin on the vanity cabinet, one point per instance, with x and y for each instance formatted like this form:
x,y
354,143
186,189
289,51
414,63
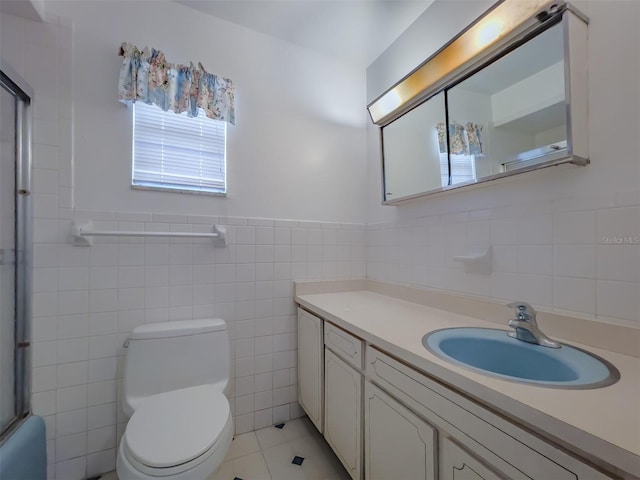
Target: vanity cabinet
x,y
311,366
343,412
385,419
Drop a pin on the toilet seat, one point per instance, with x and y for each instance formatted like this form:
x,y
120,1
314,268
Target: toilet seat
x,y
174,431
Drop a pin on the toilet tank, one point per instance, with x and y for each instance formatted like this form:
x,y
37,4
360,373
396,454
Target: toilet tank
x,y
167,356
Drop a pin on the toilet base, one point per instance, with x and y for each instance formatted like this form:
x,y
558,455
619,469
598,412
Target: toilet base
x,y
200,471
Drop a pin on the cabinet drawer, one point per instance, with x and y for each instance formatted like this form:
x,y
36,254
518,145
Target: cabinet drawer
x,y
344,344
463,421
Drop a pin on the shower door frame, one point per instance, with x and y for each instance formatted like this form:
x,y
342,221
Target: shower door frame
x,y
23,93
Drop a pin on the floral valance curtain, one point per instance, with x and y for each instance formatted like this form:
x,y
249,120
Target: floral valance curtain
x,y
464,139
147,76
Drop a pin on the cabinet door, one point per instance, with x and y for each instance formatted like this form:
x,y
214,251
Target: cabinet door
x,y
310,366
398,444
458,464
343,412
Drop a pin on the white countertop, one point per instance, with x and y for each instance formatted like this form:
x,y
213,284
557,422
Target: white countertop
x,y
603,423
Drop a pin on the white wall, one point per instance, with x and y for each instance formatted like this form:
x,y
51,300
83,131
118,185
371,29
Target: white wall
x,y
547,227
300,116
547,137
538,91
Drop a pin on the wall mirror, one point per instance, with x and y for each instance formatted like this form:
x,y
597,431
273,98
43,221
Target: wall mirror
x,y
510,107
413,161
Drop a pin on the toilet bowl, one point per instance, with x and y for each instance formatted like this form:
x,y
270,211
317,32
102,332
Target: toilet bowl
x,y
181,433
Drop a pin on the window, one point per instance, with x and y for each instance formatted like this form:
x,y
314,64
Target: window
x,y
175,152
463,168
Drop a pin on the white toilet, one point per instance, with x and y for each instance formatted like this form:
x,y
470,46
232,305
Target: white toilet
x,y
175,380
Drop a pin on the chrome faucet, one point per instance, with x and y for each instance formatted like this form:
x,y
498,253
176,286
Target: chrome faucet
x,y
526,328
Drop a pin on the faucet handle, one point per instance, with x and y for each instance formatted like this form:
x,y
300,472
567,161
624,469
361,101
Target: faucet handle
x,y
524,311
526,327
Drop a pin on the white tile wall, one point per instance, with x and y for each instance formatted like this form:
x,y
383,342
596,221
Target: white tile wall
x,y
87,300
578,255
98,294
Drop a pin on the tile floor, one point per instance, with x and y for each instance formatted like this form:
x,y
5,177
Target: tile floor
x,y
267,454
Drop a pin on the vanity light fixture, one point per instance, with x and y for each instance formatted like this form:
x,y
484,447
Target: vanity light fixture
x,y
503,23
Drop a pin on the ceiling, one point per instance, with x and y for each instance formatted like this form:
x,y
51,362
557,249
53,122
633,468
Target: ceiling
x,y
356,31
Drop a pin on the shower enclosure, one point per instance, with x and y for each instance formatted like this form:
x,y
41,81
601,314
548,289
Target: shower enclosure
x,y
15,250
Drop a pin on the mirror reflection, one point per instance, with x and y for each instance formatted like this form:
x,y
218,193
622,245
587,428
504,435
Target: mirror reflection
x,y
511,114
415,160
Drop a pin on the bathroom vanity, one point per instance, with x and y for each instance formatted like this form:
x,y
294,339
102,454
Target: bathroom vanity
x,y
390,409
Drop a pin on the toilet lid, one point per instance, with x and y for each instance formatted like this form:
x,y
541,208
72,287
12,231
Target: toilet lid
x,y
175,427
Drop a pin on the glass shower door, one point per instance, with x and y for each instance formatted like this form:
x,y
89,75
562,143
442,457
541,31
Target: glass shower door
x,y
15,248
8,104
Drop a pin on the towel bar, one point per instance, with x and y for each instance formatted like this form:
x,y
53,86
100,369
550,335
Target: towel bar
x,y
81,233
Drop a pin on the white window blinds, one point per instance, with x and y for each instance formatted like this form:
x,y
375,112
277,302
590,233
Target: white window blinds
x,y
463,168
174,151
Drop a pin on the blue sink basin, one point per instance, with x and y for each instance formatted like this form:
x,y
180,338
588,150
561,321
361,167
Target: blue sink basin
x,y
493,353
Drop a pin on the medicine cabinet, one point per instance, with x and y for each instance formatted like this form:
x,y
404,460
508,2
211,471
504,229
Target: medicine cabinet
x,y
506,96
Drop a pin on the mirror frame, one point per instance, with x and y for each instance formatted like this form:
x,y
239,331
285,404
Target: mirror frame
x,y
481,44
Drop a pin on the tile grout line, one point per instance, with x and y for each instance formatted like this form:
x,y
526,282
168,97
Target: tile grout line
x,y
264,459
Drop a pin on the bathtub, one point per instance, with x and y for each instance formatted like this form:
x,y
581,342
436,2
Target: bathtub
x,y
23,455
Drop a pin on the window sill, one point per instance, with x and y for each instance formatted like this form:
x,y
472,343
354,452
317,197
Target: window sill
x,y
179,190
